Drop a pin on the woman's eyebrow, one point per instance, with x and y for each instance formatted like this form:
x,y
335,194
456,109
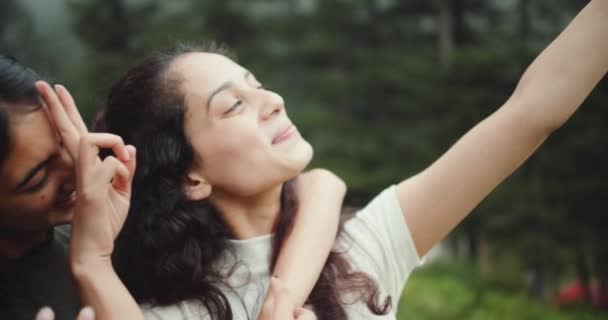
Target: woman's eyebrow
x,y
32,172
223,86
226,85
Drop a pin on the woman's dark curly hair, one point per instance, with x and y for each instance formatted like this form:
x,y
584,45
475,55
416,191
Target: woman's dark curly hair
x,y
169,244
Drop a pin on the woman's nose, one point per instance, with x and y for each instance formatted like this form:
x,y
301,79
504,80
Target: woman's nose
x,y
272,105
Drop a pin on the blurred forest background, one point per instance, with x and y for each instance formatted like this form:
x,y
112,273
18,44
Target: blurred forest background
x,y
381,88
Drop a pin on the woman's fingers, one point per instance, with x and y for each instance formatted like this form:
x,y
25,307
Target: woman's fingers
x,y
70,108
125,186
89,150
68,132
112,169
86,313
45,313
284,306
279,303
305,314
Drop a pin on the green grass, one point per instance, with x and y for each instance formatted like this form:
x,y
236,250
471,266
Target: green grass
x,y
450,291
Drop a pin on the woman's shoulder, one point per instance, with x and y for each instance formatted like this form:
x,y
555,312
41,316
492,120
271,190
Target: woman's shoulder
x,y
383,208
364,230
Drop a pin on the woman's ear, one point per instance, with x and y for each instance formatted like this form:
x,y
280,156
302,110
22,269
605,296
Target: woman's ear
x,y
196,187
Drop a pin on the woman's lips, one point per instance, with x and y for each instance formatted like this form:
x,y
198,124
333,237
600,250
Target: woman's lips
x,y
67,201
285,134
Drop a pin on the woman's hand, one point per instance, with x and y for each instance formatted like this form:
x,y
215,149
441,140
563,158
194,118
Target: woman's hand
x,y
103,188
279,304
47,313
103,192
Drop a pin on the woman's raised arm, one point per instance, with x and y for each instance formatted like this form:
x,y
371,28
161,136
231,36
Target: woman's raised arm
x,y
550,91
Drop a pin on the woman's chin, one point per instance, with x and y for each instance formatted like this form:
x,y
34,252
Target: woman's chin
x,y
302,157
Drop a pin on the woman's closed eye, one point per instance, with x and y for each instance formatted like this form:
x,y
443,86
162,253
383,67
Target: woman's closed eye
x,y
239,102
39,185
234,106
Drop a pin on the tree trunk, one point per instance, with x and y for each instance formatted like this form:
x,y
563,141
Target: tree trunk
x,y
584,276
473,237
446,33
538,281
523,9
601,268
459,28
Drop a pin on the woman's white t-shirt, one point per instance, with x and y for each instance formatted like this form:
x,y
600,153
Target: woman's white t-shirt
x,y
376,240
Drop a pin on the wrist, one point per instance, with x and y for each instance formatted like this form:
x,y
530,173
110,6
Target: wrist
x,y
86,266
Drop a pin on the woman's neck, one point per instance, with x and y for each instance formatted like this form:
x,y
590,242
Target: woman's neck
x,y
249,217
19,244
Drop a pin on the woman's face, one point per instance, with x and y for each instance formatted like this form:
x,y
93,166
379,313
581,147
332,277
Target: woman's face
x,y
243,140
37,189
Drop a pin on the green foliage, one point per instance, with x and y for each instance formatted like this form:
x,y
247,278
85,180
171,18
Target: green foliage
x,y
456,292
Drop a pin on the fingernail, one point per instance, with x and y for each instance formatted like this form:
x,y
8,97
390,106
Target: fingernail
x,y
45,313
39,85
87,313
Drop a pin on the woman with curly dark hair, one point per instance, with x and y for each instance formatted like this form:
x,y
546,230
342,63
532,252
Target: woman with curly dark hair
x,y
102,198
213,197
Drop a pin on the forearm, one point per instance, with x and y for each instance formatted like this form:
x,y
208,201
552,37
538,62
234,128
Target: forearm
x,y
306,249
100,288
559,80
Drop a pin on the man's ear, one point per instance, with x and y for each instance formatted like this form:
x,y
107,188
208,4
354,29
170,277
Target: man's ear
x,y
196,187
